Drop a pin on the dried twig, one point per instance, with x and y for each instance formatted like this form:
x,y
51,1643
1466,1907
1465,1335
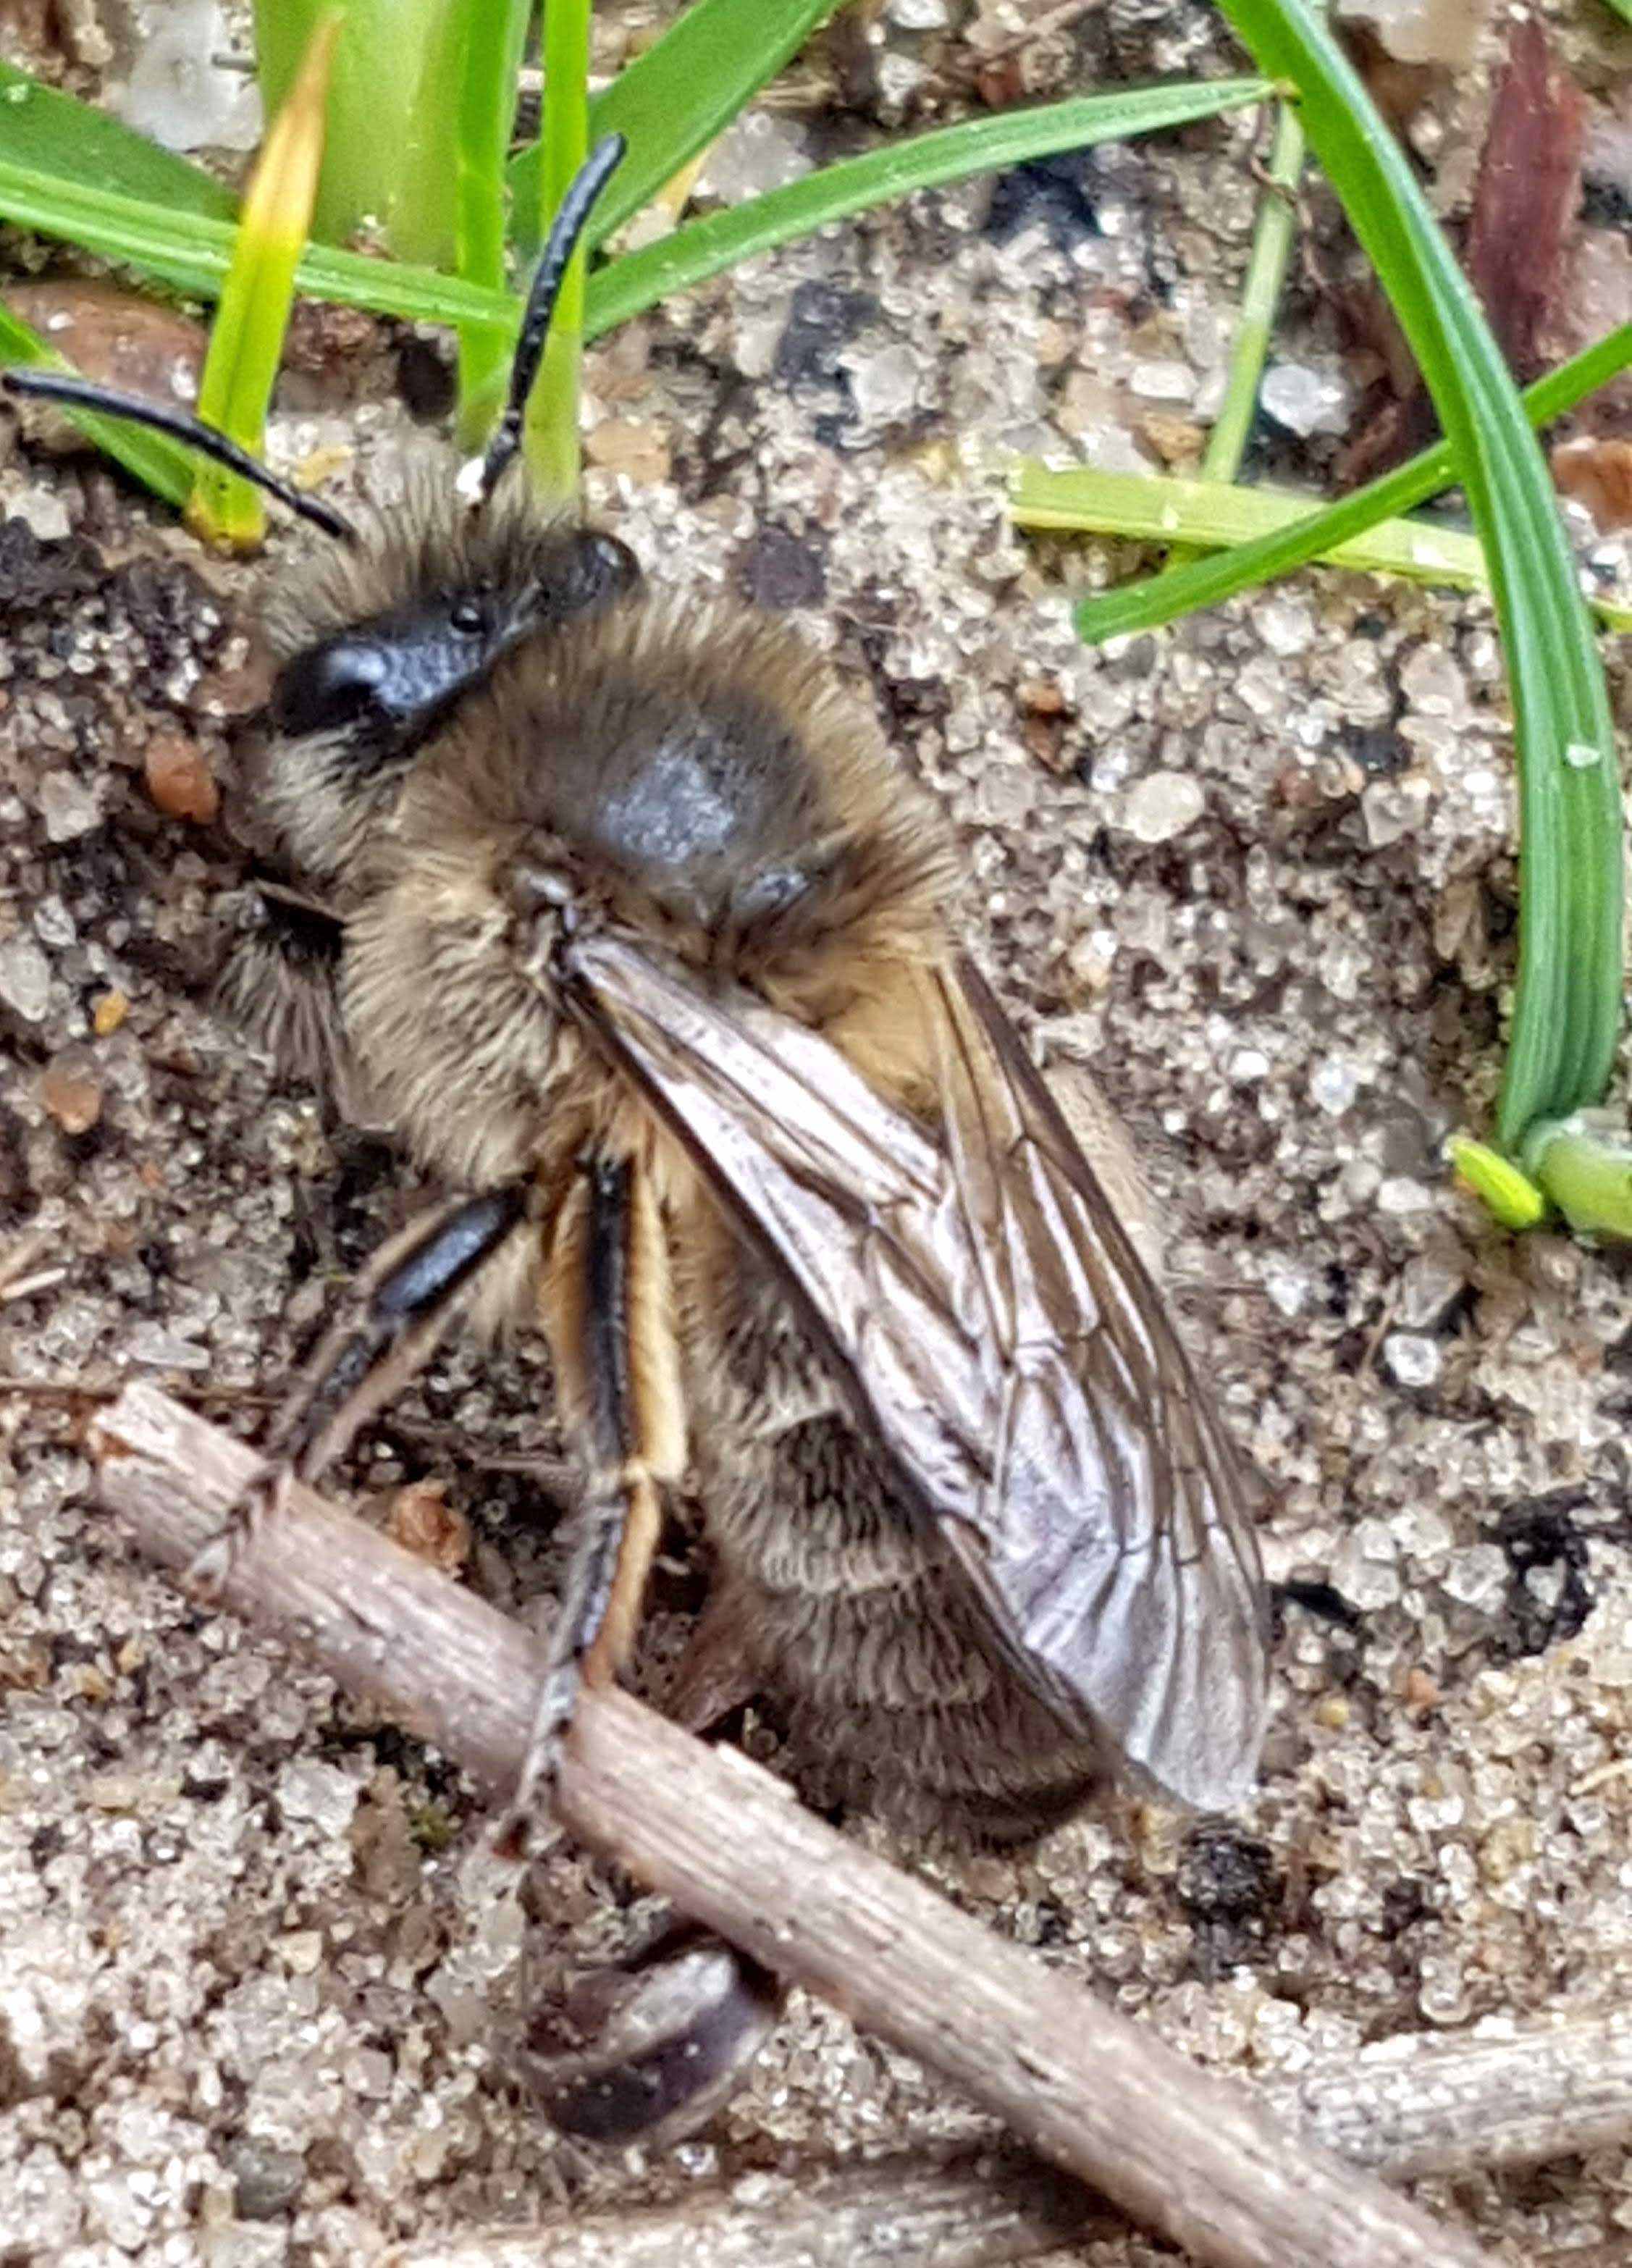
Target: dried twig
x,y
975,2212
1188,2156
1515,2097
1413,2105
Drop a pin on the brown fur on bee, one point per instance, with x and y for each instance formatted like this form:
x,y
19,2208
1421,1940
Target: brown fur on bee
x,y
689,778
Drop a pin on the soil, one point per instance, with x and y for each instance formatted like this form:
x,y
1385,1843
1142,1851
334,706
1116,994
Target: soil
x,y
262,1973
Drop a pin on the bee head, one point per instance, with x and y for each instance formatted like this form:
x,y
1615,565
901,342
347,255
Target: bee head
x,y
379,641
380,633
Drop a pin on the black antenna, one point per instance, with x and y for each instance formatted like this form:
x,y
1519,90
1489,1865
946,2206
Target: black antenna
x,y
82,394
542,293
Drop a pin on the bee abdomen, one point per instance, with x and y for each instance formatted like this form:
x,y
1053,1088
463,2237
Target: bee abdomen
x,y
896,1697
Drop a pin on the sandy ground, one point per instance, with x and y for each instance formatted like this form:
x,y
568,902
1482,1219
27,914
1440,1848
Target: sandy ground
x,y
259,1968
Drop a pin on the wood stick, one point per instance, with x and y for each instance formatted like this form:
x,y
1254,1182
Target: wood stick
x,y
1421,2104
1416,2104
1190,2156
974,2212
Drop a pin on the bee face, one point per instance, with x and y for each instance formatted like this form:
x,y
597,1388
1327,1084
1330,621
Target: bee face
x,y
377,645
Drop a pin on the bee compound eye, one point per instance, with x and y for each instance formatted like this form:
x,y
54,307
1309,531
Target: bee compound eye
x,y
588,572
611,565
331,685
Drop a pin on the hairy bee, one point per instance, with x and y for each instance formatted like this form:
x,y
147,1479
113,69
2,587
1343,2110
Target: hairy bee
x,y
618,912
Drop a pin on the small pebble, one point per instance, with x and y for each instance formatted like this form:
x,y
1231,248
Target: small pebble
x,y
68,805
178,778
1163,381
1334,1083
423,1523
1161,806
70,1091
1363,1568
265,2182
24,979
1411,1360
108,1012
1305,401
320,1792
1478,1577
884,383
1428,1288
44,512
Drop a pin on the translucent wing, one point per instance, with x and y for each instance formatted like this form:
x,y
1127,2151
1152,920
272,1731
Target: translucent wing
x,y
1001,1339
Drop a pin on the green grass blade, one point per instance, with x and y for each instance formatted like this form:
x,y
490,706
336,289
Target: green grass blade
x,y
1156,600
390,157
1508,1196
1587,1176
161,465
704,247
191,253
1266,273
246,339
50,132
551,436
1260,295
492,37
671,101
1566,1007
1157,508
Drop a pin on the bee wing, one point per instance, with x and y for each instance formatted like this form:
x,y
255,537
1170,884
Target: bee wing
x,y
1003,1341
1118,1535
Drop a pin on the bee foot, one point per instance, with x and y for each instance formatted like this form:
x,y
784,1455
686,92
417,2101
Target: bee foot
x,y
262,1497
533,1801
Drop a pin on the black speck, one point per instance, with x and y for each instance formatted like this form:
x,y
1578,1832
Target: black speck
x,y
1056,194
1604,202
66,570
1500,913
425,380
201,1790
821,319
778,570
265,2181
1227,1876
1054,1925
45,1842
1231,1890
1377,750
1535,1535
1405,1904
1323,1600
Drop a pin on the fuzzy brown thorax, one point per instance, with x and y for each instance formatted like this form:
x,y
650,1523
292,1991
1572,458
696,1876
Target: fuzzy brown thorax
x,y
689,774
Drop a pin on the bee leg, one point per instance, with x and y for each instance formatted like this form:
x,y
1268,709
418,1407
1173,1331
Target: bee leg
x,y
386,1329
608,1309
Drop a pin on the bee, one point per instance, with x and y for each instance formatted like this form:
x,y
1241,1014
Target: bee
x,y
616,910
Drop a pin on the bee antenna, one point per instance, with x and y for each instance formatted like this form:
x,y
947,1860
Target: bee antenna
x,y
568,226
82,394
